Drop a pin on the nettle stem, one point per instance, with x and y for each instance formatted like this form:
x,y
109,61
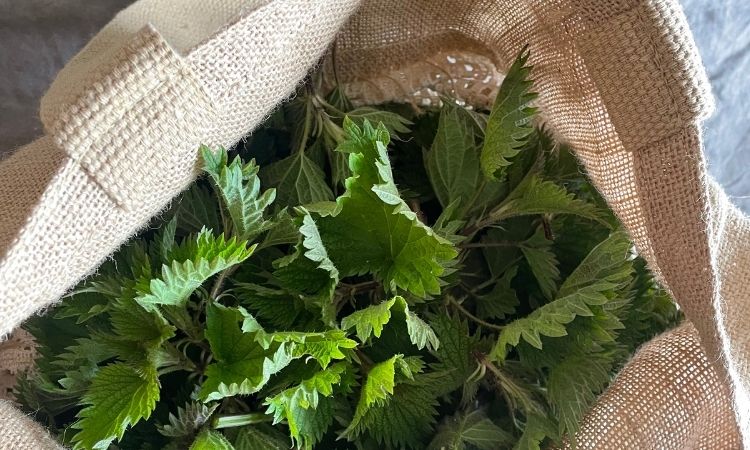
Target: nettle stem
x,y
471,316
239,420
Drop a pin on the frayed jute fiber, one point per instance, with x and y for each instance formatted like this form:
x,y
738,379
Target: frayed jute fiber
x,y
620,80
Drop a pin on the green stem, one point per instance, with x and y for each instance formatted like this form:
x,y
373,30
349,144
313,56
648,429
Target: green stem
x,y
219,284
308,124
490,244
239,420
471,316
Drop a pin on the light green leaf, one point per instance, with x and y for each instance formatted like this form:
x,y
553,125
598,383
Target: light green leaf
x,y
298,180
211,440
306,395
373,230
239,187
206,257
509,124
420,333
376,390
119,397
371,320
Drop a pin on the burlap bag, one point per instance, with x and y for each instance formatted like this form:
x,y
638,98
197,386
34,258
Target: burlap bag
x,y
619,79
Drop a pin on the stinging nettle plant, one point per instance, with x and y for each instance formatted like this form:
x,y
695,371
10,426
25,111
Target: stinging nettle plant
x,y
374,278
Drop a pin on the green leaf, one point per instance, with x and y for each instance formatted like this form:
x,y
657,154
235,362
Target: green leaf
x,y
376,390
509,124
574,385
502,300
420,333
239,187
197,209
188,420
609,261
242,365
373,230
323,347
471,428
309,270
260,437
119,397
596,280
208,255
306,395
455,353
371,320
453,161
537,429
211,440
543,263
132,322
394,123
534,196
407,418
298,181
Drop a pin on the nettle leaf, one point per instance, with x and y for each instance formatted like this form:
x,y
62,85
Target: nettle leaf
x,y
394,123
455,353
470,428
543,263
243,365
323,347
509,125
239,186
211,440
574,385
596,280
309,269
188,420
372,230
534,196
298,180
197,209
406,419
376,390
537,430
208,256
260,437
501,301
371,320
119,396
288,404
453,161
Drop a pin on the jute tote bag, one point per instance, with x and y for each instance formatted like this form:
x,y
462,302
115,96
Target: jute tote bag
x,y
620,80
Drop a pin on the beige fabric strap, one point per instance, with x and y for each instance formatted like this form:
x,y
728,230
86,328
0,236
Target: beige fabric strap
x,y
619,79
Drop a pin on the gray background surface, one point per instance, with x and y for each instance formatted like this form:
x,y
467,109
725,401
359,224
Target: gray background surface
x,y
38,36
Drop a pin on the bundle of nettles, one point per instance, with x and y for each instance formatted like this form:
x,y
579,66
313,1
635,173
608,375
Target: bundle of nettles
x,y
375,278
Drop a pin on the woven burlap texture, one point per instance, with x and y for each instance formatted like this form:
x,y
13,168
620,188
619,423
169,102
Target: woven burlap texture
x,y
619,79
